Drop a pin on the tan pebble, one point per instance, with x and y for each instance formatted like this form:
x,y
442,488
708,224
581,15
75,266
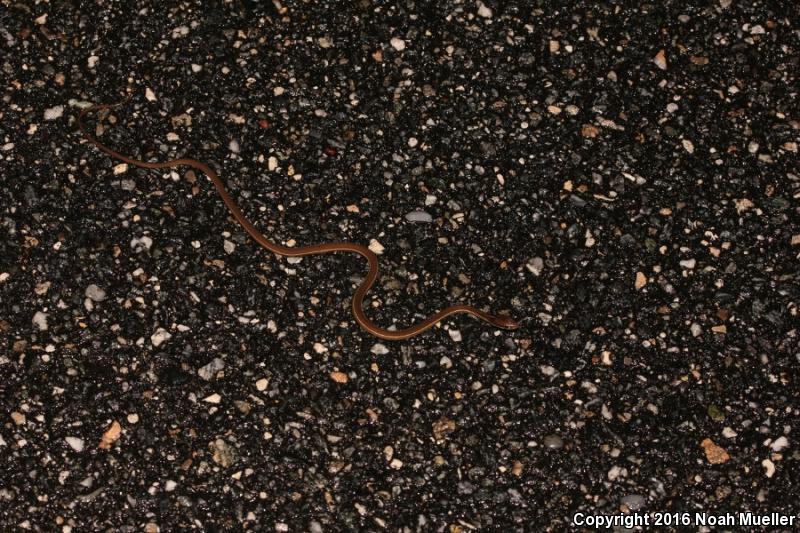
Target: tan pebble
x,y
714,454
661,60
589,131
110,436
339,377
376,247
641,280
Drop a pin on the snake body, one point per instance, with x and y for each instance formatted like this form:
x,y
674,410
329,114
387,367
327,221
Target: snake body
x,y
499,321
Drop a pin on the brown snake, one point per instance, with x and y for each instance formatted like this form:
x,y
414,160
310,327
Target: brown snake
x,y
499,321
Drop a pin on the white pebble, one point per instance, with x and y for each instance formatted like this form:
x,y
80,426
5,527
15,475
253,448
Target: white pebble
x,y
412,142
455,335
688,146
95,293
398,43
779,444
54,112
75,443
40,320
92,61
233,146
769,467
379,349
688,263
261,384
484,11
228,246
159,337
214,398
149,94
170,485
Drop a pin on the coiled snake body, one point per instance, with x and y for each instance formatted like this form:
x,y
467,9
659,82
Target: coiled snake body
x,y
499,321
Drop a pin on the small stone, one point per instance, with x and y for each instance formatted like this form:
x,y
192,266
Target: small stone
x,y
641,281
261,384
120,169
95,293
132,418
484,11
149,94
233,146
535,266
170,485
40,320
376,247
18,418
455,335
228,246
412,142
554,442
75,443
110,436
554,110
446,362
160,337
779,444
209,371
223,454
339,377
398,43
214,398
419,216
92,61
325,42
696,329
714,454
443,427
379,349
661,60
272,163
634,502
196,68
769,467
728,433
743,204
54,113
795,240
688,146
396,464
688,263
590,131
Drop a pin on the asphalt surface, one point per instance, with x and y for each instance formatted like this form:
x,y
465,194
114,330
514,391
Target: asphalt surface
x,y
621,177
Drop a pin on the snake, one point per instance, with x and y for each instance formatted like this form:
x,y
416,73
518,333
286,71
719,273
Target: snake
x,y
498,321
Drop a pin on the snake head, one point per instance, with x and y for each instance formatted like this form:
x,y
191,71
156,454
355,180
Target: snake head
x,y
505,322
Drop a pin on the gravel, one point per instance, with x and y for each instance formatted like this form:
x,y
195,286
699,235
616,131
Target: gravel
x,y
622,180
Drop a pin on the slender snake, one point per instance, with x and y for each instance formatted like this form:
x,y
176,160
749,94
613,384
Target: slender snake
x,y
498,321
